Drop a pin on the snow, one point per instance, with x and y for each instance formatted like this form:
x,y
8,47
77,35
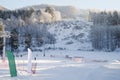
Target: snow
x,y
72,58
70,33
66,65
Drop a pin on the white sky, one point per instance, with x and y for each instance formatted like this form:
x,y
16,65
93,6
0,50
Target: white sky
x,y
82,4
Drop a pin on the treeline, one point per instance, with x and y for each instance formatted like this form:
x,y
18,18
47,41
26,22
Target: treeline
x,y
23,32
105,32
7,14
105,18
29,36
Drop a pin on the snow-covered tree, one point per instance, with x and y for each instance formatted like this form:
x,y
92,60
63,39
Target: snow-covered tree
x,y
105,31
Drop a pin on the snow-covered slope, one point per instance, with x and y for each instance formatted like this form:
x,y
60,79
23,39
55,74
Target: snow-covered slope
x,y
72,34
79,65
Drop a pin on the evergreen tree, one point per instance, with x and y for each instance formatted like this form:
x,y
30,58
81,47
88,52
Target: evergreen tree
x,y
115,18
28,40
14,40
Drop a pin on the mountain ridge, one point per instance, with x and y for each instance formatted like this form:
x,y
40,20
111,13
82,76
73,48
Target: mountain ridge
x,y
66,11
3,8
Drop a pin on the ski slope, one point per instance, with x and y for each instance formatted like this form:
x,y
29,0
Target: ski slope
x,y
72,34
66,65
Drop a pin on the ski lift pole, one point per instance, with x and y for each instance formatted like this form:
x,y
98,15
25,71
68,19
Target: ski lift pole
x,y
43,46
44,49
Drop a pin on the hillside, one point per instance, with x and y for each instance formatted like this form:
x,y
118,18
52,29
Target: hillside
x,y
72,34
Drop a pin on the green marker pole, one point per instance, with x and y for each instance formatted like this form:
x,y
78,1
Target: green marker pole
x,y
12,64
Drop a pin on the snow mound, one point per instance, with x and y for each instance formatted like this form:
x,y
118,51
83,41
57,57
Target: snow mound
x,y
115,64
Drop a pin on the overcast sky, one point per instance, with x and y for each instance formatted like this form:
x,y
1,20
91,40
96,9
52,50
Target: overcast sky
x,y
82,4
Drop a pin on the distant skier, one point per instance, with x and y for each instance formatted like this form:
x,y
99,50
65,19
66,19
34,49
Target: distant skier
x,y
34,66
